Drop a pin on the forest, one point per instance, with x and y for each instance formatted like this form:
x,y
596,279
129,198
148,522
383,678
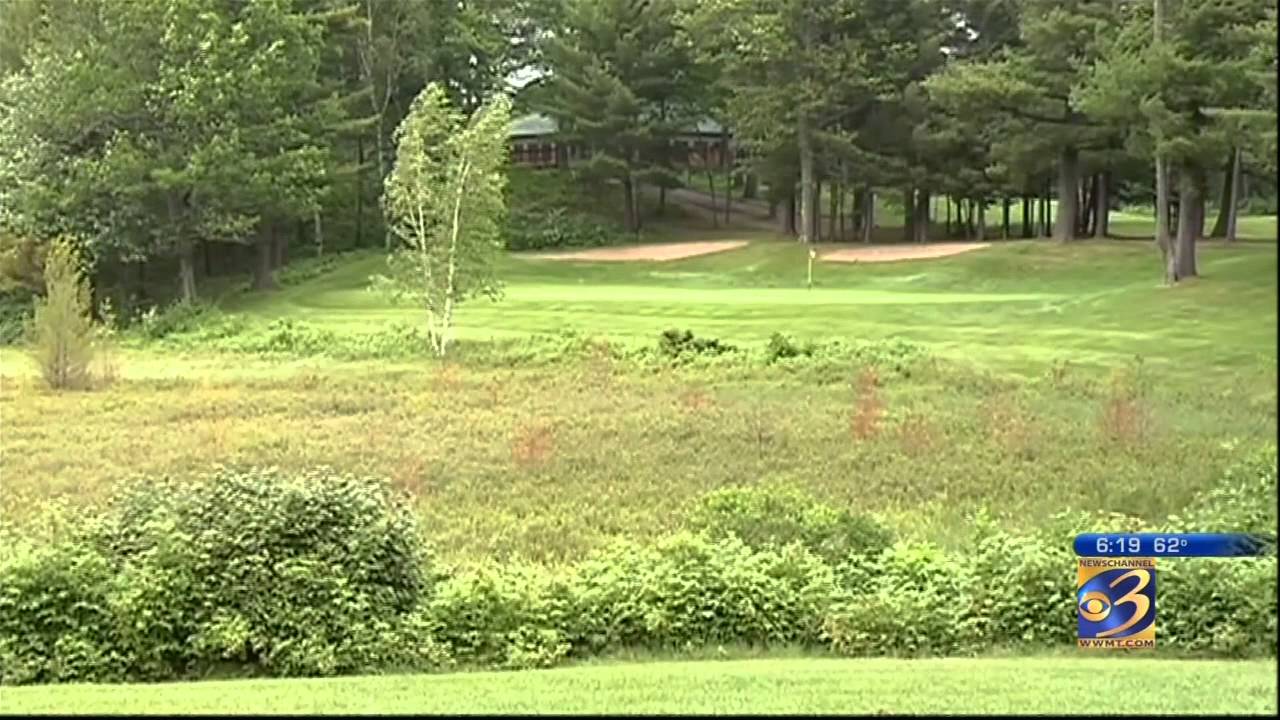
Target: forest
x,y
180,139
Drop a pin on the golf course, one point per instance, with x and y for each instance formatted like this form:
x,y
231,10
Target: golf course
x,y
384,357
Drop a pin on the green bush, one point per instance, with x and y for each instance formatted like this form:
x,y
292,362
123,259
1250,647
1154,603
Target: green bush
x,y
1218,606
16,308
285,571
1021,589
505,616
56,620
546,228
300,271
679,345
313,574
781,347
1244,500
323,574
180,317
688,590
62,333
910,600
773,516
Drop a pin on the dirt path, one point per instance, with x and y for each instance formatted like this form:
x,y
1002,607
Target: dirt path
x,y
652,252
905,251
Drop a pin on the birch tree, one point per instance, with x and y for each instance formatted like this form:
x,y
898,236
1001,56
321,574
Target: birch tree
x,y
444,200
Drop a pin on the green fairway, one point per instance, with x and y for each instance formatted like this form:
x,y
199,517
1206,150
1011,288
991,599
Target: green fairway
x,y
1016,306
1058,686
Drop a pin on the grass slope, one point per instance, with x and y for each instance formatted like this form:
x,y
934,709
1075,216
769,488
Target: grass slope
x,y
1027,685
548,463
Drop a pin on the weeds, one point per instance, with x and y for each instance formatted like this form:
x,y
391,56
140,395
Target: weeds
x,y
868,407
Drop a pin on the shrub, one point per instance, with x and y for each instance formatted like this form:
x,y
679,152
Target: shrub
x,y
774,516
681,345
300,271
16,308
1243,501
910,600
1219,606
688,590
506,616
284,572
56,623
546,228
307,575
180,317
781,346
61,326
1021,589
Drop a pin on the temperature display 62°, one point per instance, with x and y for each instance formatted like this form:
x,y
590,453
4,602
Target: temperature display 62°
x,y
1172,545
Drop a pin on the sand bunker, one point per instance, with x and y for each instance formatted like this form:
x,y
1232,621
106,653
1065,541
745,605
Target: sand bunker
x,y
655,252
906,251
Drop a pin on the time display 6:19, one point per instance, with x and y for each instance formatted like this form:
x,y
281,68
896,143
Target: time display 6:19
x,y
1172,545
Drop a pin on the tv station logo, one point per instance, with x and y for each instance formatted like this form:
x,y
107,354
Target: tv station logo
x,y
1116,579
1116,602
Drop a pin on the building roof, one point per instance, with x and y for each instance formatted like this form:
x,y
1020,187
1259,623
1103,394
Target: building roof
x,y
537,124
531,125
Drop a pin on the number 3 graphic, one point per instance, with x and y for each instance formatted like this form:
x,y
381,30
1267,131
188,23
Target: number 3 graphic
x,y
1132,597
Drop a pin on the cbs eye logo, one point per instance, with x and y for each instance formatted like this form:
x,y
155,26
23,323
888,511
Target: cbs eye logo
x,y
1115,604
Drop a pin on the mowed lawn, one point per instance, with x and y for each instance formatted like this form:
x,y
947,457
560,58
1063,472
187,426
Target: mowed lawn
x,y
1073,686
1017,305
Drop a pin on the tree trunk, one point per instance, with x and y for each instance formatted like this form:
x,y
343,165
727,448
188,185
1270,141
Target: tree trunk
x,y
1185,246
833,206
868,214
807,194
1225,197
750,187
1233,210
382,178
281,255
1042,226
187,272
629,205
1163,241
921,230
636,192
206,253
184,247
947,202
662,201
815,232
711,186
1088,196
1102,206
1068,201
1026,216
727,165
980,210
1004,225
908,213
360,191
857,210
787,219
319,233
264,257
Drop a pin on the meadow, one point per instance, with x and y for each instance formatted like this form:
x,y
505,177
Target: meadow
x,y
1028,378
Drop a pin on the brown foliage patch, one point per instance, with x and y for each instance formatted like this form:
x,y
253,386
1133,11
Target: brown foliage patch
x,y
533,444
868,406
